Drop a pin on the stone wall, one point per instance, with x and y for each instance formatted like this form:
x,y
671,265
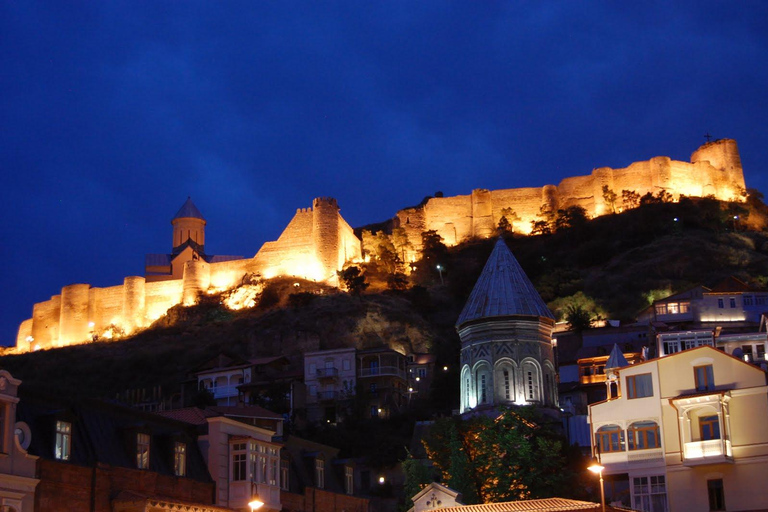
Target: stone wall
x,y
318,500
715,169
315,244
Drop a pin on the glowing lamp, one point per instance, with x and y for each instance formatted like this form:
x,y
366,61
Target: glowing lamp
x,y
255,503
381,480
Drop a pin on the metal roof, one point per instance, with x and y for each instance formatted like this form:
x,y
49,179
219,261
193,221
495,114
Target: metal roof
x,y
503,289
616,359
189,210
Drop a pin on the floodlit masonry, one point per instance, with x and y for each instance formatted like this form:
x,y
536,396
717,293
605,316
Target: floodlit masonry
x,y
315,244
318,241
715,169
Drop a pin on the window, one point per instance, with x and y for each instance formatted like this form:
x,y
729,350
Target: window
x,y
661,309
716,494
239,462
320,473
272,466
649,493
709,427
747,351
349,480
748,300
179,459
643,435
720,303
421,373
760,352
345,364
639,386
312,369
483,390
760,300
507,394
142,450
704,377
732,302
284,472
610,438
63,440
262,464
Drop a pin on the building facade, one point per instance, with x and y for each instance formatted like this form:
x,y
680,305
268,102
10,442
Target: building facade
x,y
685,432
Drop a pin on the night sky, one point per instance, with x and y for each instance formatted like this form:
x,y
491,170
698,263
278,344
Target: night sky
x,y
114,112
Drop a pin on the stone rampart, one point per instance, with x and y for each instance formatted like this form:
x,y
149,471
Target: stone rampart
x,y
715,169
315,244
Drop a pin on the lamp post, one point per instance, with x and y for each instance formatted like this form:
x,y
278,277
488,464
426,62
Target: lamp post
x,y
440,269
255,502
597,468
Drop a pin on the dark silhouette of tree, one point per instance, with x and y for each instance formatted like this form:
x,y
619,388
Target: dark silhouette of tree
x,y
353,280
630,199
578,317
433,250
571,217
397,281
609,196
417,476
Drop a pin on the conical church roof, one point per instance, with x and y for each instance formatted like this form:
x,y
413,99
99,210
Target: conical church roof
x,y
189,210
503,289
616,359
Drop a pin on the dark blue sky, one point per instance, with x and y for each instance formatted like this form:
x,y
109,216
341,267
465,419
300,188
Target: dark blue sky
x,y
114,112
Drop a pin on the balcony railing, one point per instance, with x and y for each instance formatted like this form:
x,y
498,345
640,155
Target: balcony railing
x,y
383,371
707,452
324,396
224,391
327,373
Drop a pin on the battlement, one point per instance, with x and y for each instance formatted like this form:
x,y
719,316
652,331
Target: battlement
x,y
324,201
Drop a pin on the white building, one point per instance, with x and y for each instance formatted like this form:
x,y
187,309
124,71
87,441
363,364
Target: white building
x,y
330,378
685,432
17,468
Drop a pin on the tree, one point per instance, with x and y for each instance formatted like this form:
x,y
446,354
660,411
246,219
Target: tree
x,y
417,477
540,227
397,281
401,243
511,217
630,199
513,456
571,217
353,280
504,225
609,196
578,318
432,247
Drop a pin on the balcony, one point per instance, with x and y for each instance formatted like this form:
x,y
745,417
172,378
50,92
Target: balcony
x,y
633,458
327,373
713,451
327,396
382,371
224,391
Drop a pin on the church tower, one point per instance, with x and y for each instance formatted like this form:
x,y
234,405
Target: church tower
x,y
506,339
188,225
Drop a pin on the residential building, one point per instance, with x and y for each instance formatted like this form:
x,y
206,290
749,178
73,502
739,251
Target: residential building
x,y
18,478
684,432
100,456
749,346
241,452
421,373
330,379
382,382
506,329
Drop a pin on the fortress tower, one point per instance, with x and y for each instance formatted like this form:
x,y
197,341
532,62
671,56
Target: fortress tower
x,y
325,235
188,228
506,339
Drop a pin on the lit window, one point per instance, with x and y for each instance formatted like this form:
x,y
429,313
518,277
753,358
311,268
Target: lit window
x,y
704,377
239,462
284,472
180,459
716,494
483,390
709,427
142,450
661,309
673,308
320,473
639,386
506,385
273,471
610,439
349,479
643,435
63,440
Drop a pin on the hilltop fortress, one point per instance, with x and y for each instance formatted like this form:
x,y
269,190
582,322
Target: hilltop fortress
x,y
318,241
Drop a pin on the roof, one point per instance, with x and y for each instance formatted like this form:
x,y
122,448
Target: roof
x,y
197,416
616,359
732,285
503,289
541,505
188,210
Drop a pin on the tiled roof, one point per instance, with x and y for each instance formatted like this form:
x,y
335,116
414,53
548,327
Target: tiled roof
x,y
187,210
503,289
542,505
731,285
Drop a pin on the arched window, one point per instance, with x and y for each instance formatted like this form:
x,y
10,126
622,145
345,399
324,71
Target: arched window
x,y
504,381
507,386
531,377
610,438
483,384
643,435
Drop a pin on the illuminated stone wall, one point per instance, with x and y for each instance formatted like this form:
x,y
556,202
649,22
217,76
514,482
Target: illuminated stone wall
x,y
315,244
715,169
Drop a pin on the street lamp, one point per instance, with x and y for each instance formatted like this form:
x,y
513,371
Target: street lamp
x,y
440,269
255,502
597,468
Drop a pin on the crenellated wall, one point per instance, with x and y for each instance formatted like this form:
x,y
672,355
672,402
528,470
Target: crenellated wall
x,y
318,241
714,169
315,244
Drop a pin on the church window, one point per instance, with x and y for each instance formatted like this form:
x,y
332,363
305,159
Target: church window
x,y
529,375
507,395
483,390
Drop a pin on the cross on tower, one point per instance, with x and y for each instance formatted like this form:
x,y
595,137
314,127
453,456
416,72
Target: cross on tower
x,y
708,137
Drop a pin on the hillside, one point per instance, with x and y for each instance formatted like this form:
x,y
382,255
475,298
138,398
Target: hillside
x,y
615,263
